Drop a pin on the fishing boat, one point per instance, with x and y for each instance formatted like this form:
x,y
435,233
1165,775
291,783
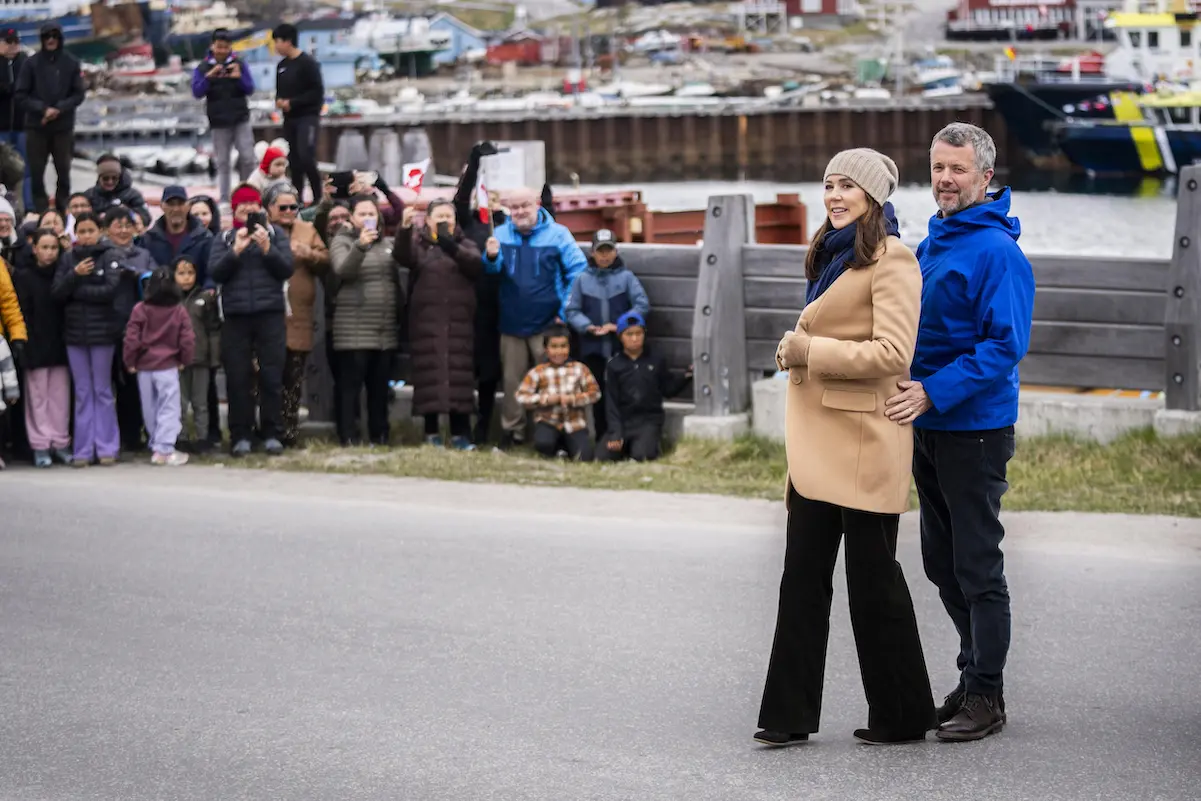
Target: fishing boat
x,y
1149,132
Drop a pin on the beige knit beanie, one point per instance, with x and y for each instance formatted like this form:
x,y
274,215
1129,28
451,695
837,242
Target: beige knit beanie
x,y
874,172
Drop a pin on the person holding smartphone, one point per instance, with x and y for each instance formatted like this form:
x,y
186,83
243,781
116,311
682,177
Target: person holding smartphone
x,y
87,288
370,297
444,266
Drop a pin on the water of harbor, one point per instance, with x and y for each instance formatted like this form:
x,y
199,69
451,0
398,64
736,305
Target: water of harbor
x,y
1058,214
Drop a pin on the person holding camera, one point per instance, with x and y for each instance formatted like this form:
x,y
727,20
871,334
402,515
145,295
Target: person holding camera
x,y
225,83
251,264
444,266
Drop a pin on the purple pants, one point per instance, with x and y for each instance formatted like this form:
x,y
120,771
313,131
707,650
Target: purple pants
x,y
160,408
95,410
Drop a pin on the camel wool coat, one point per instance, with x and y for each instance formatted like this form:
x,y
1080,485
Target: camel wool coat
x,y
302,286
841,447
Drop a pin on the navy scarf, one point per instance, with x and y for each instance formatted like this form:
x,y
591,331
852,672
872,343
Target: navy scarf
x,y
837,249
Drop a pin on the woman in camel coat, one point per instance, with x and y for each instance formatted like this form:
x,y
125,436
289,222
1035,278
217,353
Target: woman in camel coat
x,y
849,466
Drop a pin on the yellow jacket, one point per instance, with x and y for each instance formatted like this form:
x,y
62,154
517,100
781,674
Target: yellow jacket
x,y
12,324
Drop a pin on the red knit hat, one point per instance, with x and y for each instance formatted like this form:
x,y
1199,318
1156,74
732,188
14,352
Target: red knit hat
x,y
244,194
270,155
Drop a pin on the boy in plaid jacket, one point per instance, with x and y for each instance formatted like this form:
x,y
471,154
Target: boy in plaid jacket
x,y
558,391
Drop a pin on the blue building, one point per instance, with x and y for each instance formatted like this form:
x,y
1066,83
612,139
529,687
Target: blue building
x,y
463,38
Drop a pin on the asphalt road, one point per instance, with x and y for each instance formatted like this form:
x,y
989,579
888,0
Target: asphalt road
x,y
217,634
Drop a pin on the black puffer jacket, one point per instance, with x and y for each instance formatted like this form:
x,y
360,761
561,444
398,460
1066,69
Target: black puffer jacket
x,y
50,79
123,194
90,315
254,281
46,346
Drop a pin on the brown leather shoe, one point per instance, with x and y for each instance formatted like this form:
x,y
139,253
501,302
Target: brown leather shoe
x,y
979,717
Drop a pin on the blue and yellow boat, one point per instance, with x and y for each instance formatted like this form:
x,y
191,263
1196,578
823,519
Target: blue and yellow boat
x,y
1153,133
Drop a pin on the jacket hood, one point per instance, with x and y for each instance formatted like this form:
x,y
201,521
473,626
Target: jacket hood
x,y
50,27
992,213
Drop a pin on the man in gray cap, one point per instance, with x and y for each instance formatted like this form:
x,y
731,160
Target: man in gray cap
x,y
599,297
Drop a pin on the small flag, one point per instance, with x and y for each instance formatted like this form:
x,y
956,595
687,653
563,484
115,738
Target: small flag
x,y
1011,54
414,175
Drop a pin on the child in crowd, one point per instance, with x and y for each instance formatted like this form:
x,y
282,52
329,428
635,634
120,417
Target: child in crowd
x,y
159,343
558,391
10,390
47,379
88,290
637,381
272,169
206,326
600,295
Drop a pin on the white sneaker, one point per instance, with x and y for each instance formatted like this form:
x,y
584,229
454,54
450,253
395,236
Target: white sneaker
x,y
173,459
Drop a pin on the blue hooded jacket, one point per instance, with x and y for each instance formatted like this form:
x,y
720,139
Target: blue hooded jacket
x,y
977,305
537,270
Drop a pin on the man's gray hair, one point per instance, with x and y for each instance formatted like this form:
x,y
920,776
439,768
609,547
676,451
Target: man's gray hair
x,y
960,134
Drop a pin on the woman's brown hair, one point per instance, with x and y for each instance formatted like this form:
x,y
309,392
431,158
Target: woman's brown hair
x,y
870,233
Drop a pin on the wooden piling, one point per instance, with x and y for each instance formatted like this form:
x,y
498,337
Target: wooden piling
x,y
723,384
1182,318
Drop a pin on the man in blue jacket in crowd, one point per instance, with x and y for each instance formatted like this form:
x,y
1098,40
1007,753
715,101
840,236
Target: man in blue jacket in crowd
x,y
538,261
977,304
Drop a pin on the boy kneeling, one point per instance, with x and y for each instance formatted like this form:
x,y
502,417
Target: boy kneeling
x,y
558,391
636,382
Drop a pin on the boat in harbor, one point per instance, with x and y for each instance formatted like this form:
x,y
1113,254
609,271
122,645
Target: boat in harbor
x,y
1154,132
1036,94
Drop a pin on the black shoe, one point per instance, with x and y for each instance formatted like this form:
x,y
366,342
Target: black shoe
x,y
950,706
780,738
509,441
873,737
202,446
979,717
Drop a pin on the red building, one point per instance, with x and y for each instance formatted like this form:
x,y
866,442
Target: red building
x,y
1010,20
825,8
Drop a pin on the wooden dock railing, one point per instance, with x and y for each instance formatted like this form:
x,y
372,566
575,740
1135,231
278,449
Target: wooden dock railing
x,y
1099,322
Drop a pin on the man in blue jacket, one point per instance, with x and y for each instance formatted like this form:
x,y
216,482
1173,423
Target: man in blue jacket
x,y
177,233
538,261
977,304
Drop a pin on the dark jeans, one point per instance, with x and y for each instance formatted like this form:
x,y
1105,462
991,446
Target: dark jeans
x,y
596,366
960,479
549,440
460,425
890,651
41,148
301,133
487,405
129,405
244,338
364,368
639,442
